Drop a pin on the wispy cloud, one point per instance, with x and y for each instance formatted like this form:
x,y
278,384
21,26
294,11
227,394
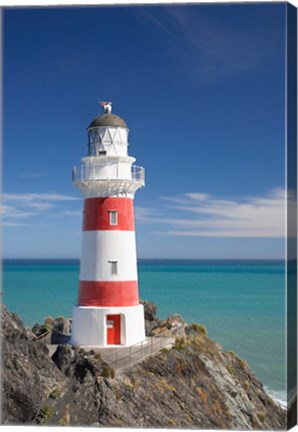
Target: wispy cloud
x,y
23,206
193,214
13,212
203,215
51,196
209,47
13,224
146,214
72,212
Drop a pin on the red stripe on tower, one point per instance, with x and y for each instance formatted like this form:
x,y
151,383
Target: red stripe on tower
x,y
108,293
108,213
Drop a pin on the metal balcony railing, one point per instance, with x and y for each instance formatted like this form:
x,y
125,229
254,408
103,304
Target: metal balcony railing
x,y
85,173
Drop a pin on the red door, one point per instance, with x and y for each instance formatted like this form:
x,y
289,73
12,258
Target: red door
x,y
113,329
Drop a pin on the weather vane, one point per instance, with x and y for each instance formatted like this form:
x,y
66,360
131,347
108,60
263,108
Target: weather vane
x,y
107,106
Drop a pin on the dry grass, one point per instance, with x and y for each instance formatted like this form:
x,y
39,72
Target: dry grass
x,y
203,395
198,328
180,343
261,416
246,385
202,344
230,370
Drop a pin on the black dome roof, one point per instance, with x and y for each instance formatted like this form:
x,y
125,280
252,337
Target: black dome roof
x,y
106,120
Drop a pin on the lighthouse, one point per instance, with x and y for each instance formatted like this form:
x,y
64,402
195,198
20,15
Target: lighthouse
x,y
108,311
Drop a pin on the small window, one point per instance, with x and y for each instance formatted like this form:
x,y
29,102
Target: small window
x,y
110,324
113,217
114,267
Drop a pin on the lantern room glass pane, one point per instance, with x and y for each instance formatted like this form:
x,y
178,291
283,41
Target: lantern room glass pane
x,y
94,142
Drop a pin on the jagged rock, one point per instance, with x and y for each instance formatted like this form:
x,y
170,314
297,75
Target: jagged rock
x,y
62,357
12,327
78,363
173,322
151,319
39,329
193,385
150,311
58,326
28,373
155,326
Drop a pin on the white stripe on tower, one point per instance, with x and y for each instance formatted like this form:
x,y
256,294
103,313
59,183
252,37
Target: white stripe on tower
x,y
118,246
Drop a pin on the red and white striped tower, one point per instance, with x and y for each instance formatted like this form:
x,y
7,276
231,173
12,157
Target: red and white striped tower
x,y
108,310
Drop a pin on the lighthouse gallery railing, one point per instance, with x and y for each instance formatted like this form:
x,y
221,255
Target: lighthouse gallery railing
x,y
88,173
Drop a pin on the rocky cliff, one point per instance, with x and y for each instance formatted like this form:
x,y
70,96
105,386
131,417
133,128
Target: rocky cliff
x,y
192,385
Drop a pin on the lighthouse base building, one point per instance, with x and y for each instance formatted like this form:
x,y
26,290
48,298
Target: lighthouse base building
x,y
108,312
96,326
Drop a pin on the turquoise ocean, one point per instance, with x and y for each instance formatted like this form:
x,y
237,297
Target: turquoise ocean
x,y
242,303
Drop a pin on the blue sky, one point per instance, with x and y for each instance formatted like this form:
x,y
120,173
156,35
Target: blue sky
x,y
202,91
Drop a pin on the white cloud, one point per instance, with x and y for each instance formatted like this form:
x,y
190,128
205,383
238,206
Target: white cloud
x,y
146,214
27,205
12,224
201,215
72,212
38,196
8,210
197,196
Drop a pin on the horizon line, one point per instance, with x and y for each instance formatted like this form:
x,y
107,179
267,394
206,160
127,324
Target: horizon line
x,y
163,258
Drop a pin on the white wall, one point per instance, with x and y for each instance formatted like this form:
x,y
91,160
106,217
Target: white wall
x,y
100,247
89,325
